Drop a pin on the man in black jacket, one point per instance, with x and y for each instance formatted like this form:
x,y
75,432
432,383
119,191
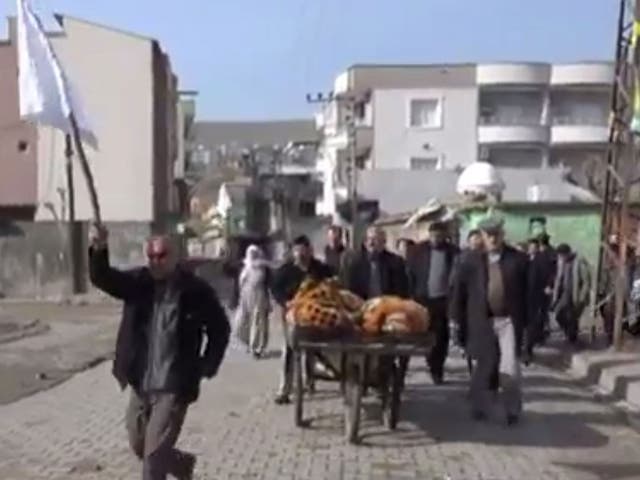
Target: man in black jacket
x,y
374,270
335,249
286,281
431,271
489,302
159,345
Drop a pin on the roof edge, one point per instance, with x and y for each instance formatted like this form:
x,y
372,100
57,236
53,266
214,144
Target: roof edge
x,y
63,17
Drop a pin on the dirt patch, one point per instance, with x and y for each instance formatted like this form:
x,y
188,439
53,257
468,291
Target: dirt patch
x,y
50,344
10,331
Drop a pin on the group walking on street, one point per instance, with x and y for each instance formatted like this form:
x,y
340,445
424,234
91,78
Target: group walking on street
x,y
493,299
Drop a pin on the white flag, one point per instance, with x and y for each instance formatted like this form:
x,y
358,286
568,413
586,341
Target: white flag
x,y
46,94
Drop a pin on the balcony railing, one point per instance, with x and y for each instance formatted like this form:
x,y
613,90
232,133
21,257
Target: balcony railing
x,y
577,120
510,121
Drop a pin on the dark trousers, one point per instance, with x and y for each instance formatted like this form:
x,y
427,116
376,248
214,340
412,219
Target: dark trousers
x,y
153,425
539,324
440,327
567,317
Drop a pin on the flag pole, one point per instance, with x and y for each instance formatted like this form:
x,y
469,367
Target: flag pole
x,y
71,220
86,169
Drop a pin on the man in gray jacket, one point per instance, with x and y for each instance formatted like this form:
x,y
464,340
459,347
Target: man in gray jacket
x,y
571,291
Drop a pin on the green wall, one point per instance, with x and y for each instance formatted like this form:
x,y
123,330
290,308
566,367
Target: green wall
x,y
577,225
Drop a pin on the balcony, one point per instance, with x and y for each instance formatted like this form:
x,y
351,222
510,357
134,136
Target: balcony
x,y
584,74
505,129
530,134
579,134
513,74
364,139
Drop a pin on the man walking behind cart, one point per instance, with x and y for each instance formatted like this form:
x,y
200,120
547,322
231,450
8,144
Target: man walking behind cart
x,y
286,281
159,345
488,301
431,268
374,270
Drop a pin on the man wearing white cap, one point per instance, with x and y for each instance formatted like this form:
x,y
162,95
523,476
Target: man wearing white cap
x,y
489,302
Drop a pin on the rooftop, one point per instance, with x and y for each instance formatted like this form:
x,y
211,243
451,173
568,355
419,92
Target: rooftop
x,y
246,134
402,191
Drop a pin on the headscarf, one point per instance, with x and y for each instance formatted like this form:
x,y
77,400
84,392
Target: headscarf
x,y
254,259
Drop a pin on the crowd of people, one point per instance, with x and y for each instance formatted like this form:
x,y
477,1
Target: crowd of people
x,y
497,298
175,331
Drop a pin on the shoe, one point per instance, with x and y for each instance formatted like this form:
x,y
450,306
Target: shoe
x,y
185,466
282,399
512,420
437,378
256,355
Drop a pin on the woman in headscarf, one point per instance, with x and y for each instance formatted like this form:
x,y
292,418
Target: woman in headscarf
x,y
252,314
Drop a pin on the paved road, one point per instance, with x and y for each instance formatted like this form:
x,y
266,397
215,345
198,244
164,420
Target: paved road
x,y
75,431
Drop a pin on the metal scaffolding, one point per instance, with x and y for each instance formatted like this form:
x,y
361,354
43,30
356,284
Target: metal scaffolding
x,y
620,171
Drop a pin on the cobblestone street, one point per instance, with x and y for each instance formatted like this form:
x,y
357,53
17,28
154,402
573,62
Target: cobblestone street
x,y
76,431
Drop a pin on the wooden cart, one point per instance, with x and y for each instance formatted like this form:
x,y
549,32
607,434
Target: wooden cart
x,y
357,355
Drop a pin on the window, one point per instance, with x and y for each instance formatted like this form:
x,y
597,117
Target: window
x,y
425,113
307,209
424,163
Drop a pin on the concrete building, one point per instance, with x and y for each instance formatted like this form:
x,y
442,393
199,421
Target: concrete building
x,y
447,116
278,156
18,162
129,92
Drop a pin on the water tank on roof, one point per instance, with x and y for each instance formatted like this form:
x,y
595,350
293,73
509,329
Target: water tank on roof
x,y
480,179
538,193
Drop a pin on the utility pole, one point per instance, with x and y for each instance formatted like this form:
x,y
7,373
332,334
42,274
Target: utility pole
x,y
349,103
621,161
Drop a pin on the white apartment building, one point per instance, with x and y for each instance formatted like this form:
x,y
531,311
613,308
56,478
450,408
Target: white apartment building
x,y
513,115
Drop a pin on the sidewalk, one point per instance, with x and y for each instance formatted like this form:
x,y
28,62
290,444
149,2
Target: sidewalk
x,y
616,375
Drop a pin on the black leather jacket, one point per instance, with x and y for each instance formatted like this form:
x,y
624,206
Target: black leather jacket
x,y
199,313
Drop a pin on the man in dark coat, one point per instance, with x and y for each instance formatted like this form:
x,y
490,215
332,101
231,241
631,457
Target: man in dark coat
x,y
374,270
335,249
158,353
547,269
489,302
286,281
475,243
537,286
431,269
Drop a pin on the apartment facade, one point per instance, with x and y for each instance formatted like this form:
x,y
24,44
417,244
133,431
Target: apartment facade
x,y
447,116
18,161
129,92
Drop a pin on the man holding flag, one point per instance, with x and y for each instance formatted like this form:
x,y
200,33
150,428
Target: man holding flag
x,y
161,353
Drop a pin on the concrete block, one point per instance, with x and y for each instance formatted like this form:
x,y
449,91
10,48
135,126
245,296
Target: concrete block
x,y
633,393
589,365
615,380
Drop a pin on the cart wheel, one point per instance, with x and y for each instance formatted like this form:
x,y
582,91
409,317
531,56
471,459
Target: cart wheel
x,y
353,398
299,388
392,412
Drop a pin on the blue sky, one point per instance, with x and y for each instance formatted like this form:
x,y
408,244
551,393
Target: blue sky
x,y
256,59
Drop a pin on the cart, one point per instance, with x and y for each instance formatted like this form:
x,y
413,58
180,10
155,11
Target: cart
x,y
359,356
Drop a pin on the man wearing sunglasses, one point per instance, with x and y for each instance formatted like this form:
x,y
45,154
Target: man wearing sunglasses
x,y
167,312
